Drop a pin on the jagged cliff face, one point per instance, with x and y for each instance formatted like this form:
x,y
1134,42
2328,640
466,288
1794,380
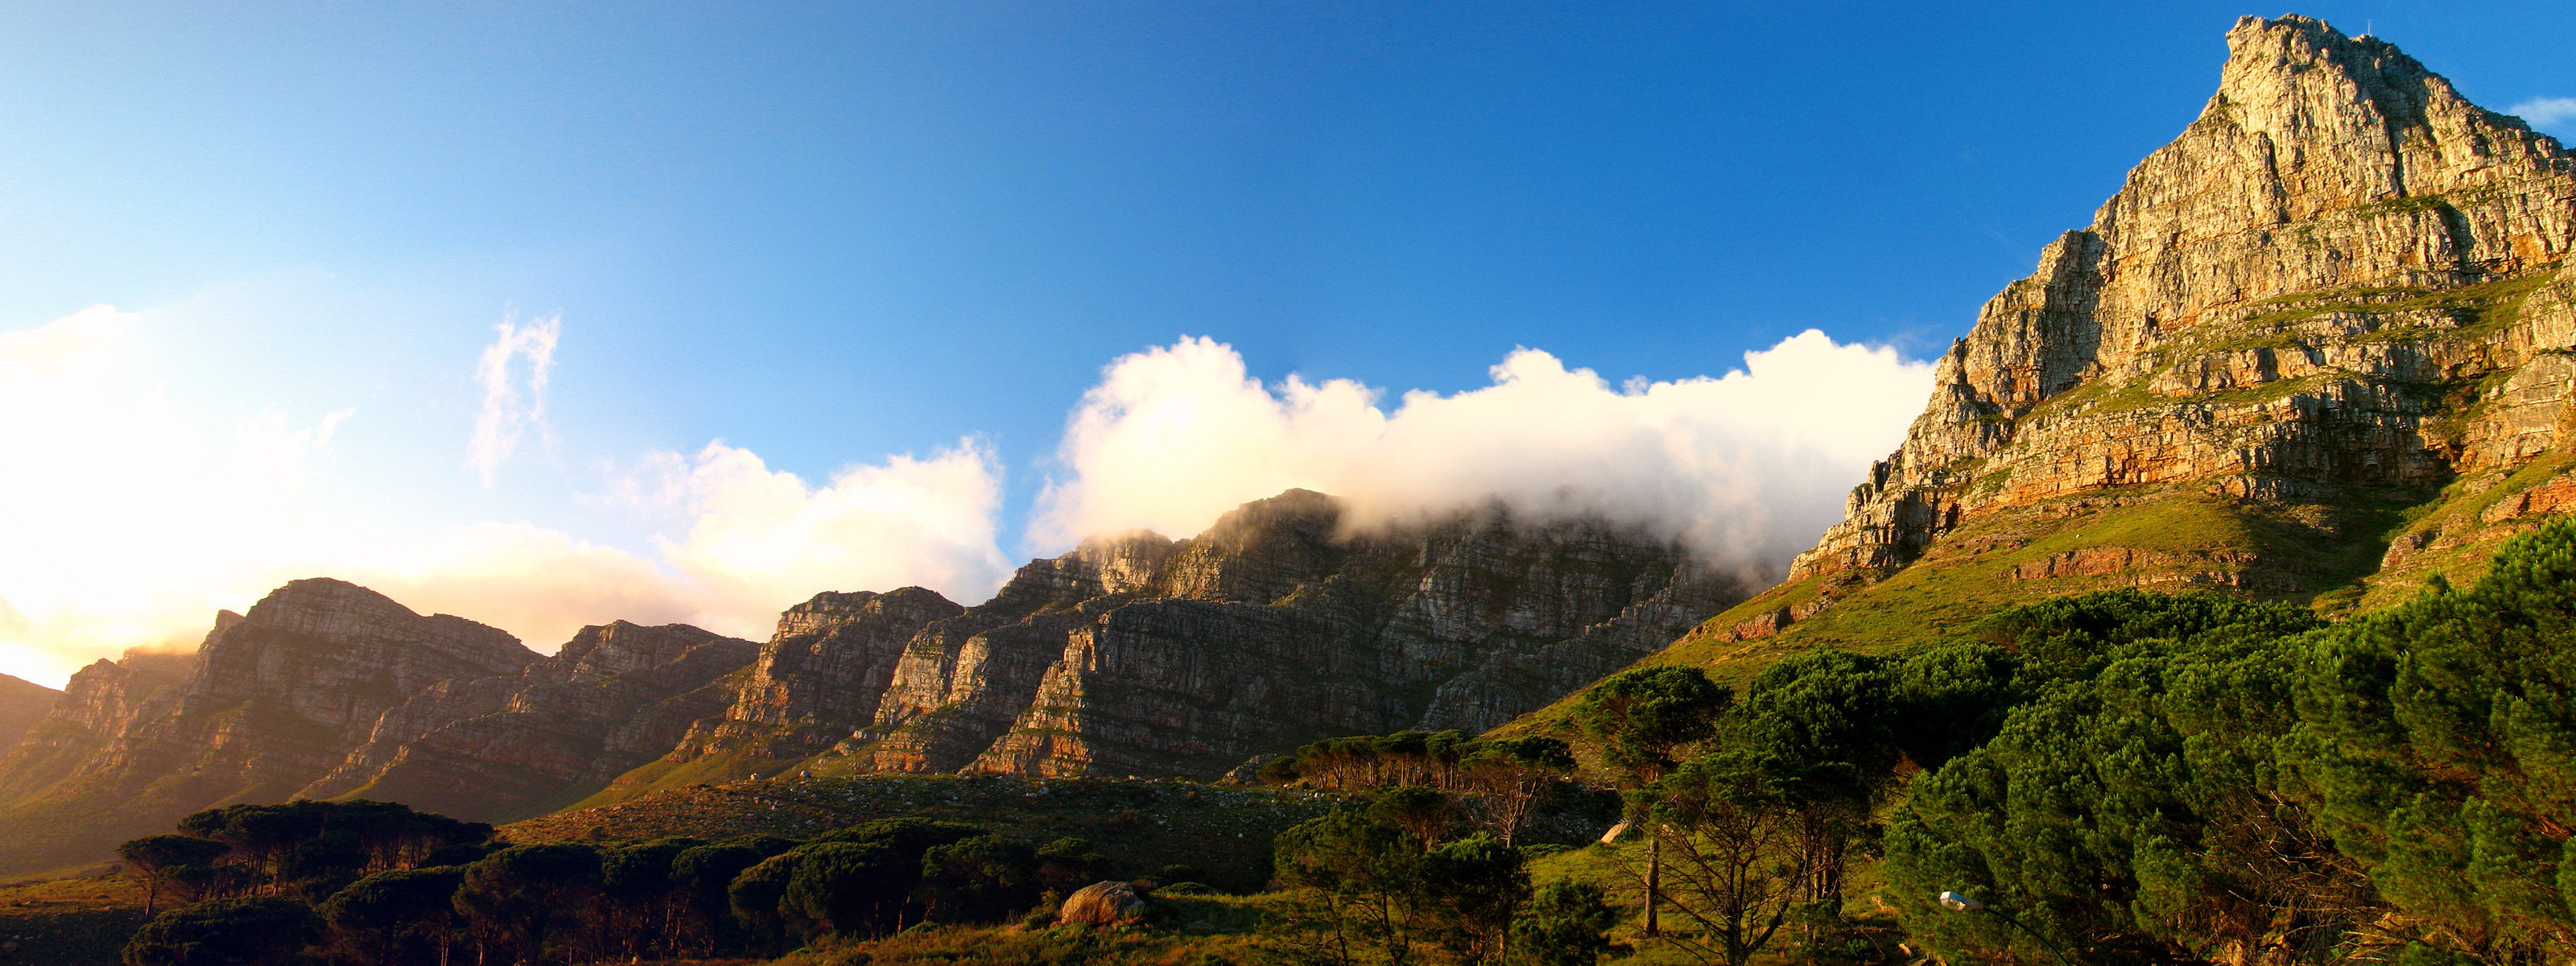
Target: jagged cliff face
x,y
271,701
1140,655
507,747
2340,294
820,675
326,689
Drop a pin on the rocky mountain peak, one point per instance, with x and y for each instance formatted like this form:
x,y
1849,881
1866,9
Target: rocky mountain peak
x,y
2340,287
321,615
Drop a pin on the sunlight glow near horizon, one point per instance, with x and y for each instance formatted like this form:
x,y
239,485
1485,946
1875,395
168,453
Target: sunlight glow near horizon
x,y
550,316
144,523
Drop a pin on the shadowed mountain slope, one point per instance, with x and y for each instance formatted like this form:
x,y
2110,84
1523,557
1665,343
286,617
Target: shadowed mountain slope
x,y
1140,655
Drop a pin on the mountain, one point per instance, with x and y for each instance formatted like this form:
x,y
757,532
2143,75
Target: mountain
x,y
272,701
328,689
513,746
2318,347
1135,654
22,704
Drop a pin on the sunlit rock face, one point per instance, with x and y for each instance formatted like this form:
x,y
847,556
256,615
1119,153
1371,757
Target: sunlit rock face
x,y
1135,654
273,700
2342,286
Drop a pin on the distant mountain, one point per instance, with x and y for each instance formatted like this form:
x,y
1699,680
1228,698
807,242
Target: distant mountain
x,y
273,700
1130,655
1141,655
2320,346
22,704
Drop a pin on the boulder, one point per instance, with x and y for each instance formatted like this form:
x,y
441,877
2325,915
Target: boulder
x,y
1103,904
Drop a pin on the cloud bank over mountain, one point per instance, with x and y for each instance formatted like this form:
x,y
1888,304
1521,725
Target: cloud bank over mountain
x,y
132,516
1747,467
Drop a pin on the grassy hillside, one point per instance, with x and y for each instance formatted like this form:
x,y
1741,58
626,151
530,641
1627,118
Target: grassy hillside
x,y
2150,537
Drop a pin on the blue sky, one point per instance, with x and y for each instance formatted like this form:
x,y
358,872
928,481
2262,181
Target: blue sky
x,y
828,234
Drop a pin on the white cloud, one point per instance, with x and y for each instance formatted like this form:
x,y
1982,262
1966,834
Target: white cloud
x,y
509,409
2547,113
1748,467
128,519
762,538
131,511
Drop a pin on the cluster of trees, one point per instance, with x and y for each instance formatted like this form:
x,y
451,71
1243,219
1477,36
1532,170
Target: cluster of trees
x,y
376,884
1745,814
1396,884
307,849
2134,777
1499,783
2196,778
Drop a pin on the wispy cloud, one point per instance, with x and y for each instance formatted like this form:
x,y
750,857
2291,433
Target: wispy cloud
x,y
513,373
2554,114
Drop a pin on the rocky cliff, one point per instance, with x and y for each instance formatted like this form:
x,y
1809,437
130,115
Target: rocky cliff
x,y
1136,654
2316,347
274,699
508,747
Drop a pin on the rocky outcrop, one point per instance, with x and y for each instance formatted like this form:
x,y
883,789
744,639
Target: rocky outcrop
x,y
507,747
2342,291
1135,654
821,675
274,699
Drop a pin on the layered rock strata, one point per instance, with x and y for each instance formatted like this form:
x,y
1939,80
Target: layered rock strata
x,y
508,747
273,700
2341,292
1136,654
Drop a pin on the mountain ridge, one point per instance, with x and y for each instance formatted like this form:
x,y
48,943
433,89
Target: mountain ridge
x,y
1131,654
2319,346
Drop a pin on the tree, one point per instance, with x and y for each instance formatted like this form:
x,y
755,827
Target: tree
x,y
1424,813
979,879
644,901
1069,863
2440,740
159,856
756,894
255,931
323,864
2137,809
702,877
848,888
261,835
393,916
528,900
1568,924
1511,777
1643,716
1468,891
1732,858
1355,882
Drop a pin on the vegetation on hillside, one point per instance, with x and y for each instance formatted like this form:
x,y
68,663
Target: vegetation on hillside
x,y
2117,777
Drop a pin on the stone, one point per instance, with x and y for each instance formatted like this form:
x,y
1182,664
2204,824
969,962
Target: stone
x,y
1102,905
